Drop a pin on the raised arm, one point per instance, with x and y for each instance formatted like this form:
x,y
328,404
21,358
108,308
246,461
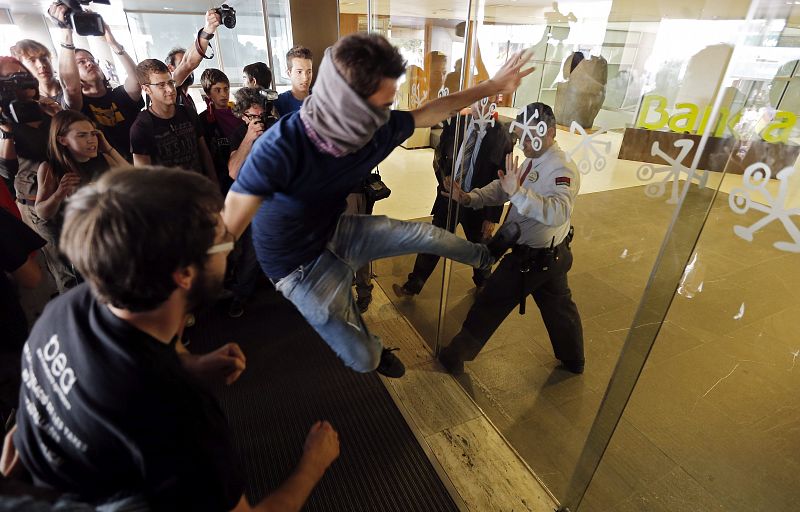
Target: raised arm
x,y
192,58
132,86
67,68
505,81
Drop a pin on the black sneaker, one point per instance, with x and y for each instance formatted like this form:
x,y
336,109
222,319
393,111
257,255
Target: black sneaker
x,y
363,303
503,240
391,365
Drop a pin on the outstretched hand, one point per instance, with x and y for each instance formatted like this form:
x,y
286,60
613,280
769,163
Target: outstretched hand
x,y
458,195
510,179
508,78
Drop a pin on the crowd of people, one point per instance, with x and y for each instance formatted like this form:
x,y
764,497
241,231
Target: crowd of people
x,y
145,208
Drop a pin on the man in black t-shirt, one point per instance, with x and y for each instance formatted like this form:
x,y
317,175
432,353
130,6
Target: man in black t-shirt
x,y
114,110
165,134
111,403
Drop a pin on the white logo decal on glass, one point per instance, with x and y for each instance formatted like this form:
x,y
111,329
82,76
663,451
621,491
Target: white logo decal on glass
x,y
417,96
533,129
590,149
672,173
755,179
485,116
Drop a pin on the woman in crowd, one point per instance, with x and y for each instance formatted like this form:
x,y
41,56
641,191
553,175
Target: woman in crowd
x,y
78,154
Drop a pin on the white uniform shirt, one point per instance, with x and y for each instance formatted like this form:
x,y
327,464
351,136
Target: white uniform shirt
x,y
543,204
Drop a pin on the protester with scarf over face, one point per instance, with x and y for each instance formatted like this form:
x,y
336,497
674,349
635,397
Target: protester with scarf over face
x,y
294,184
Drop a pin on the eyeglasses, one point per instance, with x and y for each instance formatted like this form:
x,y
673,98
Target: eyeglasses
x,y
247,116
164,85
221,247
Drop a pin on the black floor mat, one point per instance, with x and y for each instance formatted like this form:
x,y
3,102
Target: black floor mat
x,y
292,380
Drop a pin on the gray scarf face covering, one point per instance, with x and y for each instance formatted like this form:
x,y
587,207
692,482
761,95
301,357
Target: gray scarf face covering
x,y
340,117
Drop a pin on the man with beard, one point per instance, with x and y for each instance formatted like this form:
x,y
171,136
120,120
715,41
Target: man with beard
x,y
294,184
112,405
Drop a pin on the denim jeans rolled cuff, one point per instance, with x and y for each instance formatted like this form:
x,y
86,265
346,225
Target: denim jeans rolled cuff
x,y
321,293
359,239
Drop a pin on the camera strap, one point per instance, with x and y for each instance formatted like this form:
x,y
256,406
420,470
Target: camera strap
x,y
200,50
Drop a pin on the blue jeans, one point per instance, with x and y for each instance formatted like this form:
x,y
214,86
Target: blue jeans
x,y
321,290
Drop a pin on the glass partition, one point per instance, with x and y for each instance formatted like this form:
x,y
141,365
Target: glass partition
x,y
712,420
654,106
433,40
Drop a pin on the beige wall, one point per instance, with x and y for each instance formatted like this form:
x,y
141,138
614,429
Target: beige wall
x,y
315,25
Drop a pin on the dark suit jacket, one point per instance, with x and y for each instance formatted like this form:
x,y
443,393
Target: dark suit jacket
x,y
491,157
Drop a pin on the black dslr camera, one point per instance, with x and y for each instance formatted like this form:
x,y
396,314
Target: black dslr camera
x,y
16,110
227,15
84,23
268,98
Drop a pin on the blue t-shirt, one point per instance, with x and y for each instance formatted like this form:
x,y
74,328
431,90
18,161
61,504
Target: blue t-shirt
x,y
305,190
287,103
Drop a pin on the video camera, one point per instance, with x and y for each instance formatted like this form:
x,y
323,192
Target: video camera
x,y
84,23
268,98
16,110
227,15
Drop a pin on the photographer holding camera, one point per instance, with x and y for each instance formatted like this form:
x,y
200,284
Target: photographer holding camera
x,y
114,110
24,129
250,103
253,106
36,58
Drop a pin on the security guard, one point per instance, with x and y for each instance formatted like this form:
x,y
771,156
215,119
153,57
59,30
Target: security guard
x,y
542,192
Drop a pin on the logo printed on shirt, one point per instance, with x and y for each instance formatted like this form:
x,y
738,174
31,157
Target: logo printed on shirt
x,y
107,116
533,177
562,180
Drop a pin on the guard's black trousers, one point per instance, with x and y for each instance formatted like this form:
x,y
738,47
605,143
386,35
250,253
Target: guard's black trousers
x,y
472,223
502,294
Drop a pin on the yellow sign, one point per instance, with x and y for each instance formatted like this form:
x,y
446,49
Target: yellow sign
x,y
688,119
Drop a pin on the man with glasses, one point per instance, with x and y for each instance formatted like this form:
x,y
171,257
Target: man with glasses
x,y
113,404
165,134
87,89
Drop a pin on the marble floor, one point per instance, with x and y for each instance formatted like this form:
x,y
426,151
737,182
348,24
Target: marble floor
x,y
713,421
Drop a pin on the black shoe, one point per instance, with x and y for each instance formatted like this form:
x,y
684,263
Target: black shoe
x,y
402,291
236,309
391,365
503,240
363,303
451,361
575,367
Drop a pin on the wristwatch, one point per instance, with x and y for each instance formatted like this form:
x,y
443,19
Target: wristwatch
x,y
205,35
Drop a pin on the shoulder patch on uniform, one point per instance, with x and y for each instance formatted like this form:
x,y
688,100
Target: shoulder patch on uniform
x,y
562,180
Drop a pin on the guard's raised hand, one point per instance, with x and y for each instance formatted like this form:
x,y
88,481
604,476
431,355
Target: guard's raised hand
x,y
510,179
